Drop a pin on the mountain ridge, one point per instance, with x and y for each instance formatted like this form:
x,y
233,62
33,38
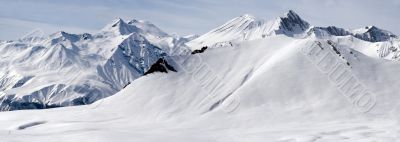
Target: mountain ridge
x,y
89,67
289,24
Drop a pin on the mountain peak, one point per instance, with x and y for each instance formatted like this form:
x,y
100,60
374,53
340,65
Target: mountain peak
x,y
248,16
291,14
373,34
60,33
62,36
240,23
135,21
291,24
117,22
371,27
147,27
119,27
247,27
374,28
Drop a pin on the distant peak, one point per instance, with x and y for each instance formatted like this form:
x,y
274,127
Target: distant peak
x,y
247,16
117,22
373,34
60,34
140,23
63,36
374,28
370,27
291,23
133,21
118,26
292,15
147,27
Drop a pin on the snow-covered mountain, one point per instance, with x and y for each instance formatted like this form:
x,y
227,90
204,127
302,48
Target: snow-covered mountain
x,y
247,27
373,34
67,69
378,42
280,81
369,33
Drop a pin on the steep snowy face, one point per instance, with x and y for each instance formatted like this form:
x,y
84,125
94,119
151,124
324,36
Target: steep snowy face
x,y
143,28
153,34
328,31
67,69
247,27
235,29
138,52
119,27
148,28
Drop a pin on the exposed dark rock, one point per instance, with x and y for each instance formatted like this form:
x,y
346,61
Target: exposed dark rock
x,y
374,34
319,44
160,66
19,105
86,36
291,20
200,50
334,47
331,30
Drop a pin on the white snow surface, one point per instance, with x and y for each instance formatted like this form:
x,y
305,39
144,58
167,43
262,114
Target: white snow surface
x,y
273,92
276,88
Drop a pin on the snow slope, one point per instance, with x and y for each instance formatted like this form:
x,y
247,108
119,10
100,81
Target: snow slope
x,y
277,94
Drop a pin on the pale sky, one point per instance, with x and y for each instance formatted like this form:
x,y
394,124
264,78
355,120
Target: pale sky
x,y
18,17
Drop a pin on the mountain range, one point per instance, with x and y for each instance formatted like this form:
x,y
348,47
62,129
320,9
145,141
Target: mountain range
x,y
66,69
